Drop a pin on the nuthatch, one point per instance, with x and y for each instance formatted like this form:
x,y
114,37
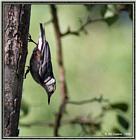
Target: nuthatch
x,y
41,65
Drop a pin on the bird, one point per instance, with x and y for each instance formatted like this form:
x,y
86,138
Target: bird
x,y
41,66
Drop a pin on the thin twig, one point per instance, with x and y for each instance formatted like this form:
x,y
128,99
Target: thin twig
x,y
69,32
77,120
100,99
48,22
81,28
39,123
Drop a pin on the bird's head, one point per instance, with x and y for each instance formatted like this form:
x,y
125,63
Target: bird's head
x,y
50,86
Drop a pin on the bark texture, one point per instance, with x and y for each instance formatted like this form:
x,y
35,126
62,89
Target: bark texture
x,y
15,34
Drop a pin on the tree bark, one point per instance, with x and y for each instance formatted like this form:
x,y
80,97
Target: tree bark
x,y
15,34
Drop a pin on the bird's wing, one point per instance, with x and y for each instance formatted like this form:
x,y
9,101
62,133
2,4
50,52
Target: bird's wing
x,y
45,61
45,66
46,55
41,40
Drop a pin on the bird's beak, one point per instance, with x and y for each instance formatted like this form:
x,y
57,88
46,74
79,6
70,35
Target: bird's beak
x,y
49,98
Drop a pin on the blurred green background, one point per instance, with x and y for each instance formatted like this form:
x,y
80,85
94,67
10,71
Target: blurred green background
x,y
99,63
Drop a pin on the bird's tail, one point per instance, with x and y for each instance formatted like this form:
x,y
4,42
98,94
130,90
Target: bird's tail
x,y
42,40
42,32
43,45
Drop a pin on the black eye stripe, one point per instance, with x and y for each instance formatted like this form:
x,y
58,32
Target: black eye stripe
x,y
47,80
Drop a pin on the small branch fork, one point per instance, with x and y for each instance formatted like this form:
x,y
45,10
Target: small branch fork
x,y
81,28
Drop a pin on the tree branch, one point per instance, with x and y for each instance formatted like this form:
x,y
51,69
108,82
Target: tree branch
x,y
77,120
70,32
63,84
81,28
100,99
64,92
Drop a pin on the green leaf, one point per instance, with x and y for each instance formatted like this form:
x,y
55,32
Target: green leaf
x,y
121,106
111,20
122,121
103,10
